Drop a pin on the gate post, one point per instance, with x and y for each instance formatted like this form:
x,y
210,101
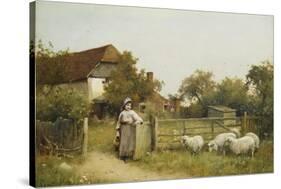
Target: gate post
x,y
85,137
212,129
154,130
244,124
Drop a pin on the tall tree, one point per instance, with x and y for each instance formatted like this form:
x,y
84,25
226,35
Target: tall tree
x,y
260,82
199,87
232,92
127,81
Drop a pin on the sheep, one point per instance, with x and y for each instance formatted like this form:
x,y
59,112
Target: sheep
x,y
242,145
218,143
256,139
236,131
194,144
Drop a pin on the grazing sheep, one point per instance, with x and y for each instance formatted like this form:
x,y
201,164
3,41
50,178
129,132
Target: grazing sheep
x,y
194,144
236,131
242,145
218,143
256,139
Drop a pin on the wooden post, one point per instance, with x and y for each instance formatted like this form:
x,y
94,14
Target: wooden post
x,y
184,129
244,125
212,129
85,137
156,132
154,129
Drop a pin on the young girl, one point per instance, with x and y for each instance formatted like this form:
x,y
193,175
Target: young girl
x,y
126,125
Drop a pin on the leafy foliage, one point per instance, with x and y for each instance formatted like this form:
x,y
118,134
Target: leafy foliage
x,y
63,103
198,86
254,96
232,92
126,81
195,110
260,82
50,66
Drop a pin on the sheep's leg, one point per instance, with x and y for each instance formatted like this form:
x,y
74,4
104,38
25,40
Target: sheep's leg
x,y
253,151
193,153
223,151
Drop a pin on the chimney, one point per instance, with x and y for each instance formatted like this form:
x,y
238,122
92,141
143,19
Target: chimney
x,y
149,76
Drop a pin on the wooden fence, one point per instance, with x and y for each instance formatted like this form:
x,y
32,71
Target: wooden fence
x,y
166,133
61,137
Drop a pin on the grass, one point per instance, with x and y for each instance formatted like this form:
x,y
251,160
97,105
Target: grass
x,y
208,164
174,161
48,173
101,135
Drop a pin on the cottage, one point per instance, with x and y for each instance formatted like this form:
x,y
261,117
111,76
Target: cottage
x,y
156,102
86,71
222,112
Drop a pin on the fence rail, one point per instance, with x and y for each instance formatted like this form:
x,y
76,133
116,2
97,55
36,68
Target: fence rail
x,y
168,131
199,119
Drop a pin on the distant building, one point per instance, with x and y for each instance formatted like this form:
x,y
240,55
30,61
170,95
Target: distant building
x,y
222,112
86,71
156,102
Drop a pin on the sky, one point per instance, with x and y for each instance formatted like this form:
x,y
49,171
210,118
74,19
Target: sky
x,y
170,43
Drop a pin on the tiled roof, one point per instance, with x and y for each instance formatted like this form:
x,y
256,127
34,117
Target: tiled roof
x,y
76,66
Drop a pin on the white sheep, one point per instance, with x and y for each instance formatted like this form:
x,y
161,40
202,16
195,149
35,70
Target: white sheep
x,y
218,143
194,144
241,145
256,139
236,131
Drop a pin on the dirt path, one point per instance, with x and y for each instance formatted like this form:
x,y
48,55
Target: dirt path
x,y
106,167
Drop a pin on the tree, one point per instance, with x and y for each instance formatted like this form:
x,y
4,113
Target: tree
x,y
56,102
195,110
127,81
50,65
199,87
233,93
260,82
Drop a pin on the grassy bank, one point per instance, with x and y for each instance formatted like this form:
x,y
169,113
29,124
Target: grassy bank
x,y
209,164
205,164
180,162
48,172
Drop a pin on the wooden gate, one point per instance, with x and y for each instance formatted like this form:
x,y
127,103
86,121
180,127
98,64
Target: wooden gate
x,y
143,140
146,138
60,137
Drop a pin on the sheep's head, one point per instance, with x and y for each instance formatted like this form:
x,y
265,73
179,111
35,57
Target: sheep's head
x,y
228,141
236,131
212,146
184,139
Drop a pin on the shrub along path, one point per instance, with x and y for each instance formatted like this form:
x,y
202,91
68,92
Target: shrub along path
x,y
103,167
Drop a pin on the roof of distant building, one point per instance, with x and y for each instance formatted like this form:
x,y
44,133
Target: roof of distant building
x,y
222,108
77,66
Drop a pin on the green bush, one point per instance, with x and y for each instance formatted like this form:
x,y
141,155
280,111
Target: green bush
x,y
59,102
